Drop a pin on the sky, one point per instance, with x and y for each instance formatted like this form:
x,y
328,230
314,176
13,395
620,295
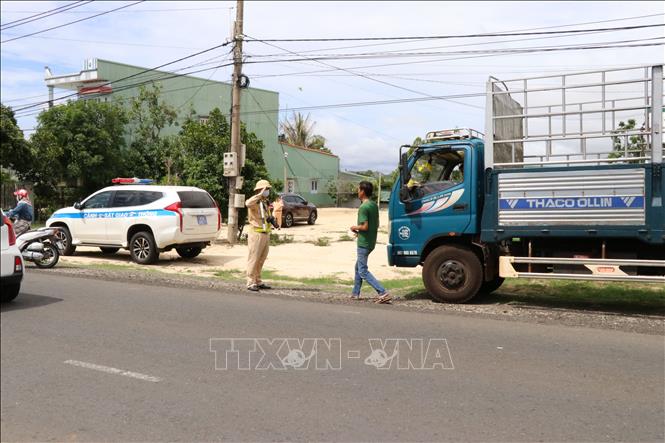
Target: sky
x,y
365,137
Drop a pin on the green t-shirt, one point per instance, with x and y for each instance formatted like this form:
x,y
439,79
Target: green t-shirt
x,y
368,212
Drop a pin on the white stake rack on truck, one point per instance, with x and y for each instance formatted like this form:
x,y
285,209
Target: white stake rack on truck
x,y
567,184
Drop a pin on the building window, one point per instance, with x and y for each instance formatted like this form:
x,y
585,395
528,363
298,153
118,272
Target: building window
x,y
314,186
203,119
290,186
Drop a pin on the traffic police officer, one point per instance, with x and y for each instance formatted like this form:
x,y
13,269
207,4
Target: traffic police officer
x,y
258,238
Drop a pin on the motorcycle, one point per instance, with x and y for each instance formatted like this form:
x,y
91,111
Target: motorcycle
x,y
41,246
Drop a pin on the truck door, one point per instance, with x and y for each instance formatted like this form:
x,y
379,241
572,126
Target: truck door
x,y
439,201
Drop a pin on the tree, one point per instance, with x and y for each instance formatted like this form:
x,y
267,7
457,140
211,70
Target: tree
x,y
15,149
628,145
299,131
79,145
201,154
149,152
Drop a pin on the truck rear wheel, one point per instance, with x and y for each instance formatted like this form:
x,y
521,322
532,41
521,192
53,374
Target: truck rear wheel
x,y
452,274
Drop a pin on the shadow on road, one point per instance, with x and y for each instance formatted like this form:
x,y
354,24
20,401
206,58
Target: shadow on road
x,y
27,301
571,296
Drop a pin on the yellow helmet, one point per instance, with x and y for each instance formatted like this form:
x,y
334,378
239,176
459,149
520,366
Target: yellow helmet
x,y
261,184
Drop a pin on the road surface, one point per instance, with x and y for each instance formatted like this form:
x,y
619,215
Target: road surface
x,y
91,360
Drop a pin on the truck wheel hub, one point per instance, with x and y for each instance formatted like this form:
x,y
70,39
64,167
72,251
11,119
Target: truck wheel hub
x,y
451,274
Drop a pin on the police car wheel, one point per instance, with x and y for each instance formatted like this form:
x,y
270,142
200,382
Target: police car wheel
x,y
106,250
188,252
66,238
288,220
143,249
452,274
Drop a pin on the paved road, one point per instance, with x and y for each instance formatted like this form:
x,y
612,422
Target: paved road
x,y
86,360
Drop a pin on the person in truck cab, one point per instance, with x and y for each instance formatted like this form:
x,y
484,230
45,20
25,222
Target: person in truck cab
x,y
23,212
435,172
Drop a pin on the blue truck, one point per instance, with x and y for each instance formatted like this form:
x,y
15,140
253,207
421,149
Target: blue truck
x,y
567,183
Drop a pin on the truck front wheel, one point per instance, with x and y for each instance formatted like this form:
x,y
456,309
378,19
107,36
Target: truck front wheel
x,y
452,274
492,285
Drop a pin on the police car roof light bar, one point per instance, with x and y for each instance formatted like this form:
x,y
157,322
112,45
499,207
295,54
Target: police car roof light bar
x,y
132,181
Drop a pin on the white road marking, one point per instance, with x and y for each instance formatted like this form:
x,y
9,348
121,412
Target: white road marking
x,y
110,370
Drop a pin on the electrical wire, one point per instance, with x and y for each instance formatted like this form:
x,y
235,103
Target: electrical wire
x,y
142,72
368,77
72,22
525,50
438,37
139,10
106,42
141,83
515,30
44,14
383,65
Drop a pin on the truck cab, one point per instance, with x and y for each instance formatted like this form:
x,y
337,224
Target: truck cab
x,y
441,197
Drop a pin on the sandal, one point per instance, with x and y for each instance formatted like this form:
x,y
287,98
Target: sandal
x,y
385,298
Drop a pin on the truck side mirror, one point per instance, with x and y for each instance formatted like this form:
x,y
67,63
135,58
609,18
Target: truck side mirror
x,y
403,175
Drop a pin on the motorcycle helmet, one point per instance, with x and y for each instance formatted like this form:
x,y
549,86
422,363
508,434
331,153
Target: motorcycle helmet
x,y
21,194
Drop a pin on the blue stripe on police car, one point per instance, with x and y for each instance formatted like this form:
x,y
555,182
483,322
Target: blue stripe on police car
x,y
114,214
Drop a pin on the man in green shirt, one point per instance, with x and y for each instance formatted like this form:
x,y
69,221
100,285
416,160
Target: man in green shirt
x,y
366,229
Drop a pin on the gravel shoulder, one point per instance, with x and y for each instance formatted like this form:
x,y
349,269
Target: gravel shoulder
x,y
652,324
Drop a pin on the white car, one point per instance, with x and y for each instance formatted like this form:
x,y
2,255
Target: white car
x,y
12,262
145,219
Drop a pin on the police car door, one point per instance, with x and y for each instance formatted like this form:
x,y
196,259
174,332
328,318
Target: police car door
x,y
91,226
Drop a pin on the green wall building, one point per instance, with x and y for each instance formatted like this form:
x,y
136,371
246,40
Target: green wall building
x,y
304,171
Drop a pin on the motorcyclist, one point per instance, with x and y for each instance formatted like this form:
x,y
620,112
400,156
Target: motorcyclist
x,y
23,212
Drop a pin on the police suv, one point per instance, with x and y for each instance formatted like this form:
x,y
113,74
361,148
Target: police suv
x,y
146,219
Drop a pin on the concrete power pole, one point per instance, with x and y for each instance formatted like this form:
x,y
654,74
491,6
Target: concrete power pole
x,y
232,233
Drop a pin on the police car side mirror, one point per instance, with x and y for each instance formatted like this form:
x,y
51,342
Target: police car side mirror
x,y
78,206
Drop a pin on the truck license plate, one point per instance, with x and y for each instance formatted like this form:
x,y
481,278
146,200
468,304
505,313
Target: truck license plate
x,y
202,219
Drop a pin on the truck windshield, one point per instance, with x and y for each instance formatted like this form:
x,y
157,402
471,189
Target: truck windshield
x,y
436,171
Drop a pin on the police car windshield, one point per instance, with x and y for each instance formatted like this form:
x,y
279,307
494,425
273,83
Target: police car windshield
x,y
195,199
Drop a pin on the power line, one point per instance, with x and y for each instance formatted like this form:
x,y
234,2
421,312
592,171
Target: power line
x,y
141,83
370,103
438,37
147,79
32,18
491,51
152,80
138,10
141,73
382,65
72,22
516,30
397,51
106,42
334,67
366,76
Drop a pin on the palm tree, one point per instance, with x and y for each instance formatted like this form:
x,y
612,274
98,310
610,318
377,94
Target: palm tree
x,y
299,130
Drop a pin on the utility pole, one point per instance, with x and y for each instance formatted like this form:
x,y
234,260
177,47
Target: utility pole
x,y
232,233
286,175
